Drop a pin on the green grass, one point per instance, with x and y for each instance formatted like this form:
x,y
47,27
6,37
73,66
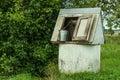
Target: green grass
x,y
110,66
22,76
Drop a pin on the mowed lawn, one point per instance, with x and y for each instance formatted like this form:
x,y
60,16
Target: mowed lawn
x,y
110,66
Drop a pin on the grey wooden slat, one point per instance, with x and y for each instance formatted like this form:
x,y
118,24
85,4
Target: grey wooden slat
x,y
93,31
80,11
58,26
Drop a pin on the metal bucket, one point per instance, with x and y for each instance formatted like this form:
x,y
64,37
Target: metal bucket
x,y
63,35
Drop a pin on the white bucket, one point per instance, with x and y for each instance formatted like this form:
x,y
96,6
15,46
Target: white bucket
x,y
63,35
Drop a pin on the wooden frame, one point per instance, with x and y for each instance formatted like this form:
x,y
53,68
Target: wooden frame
x,y
94,33
83,28
80,34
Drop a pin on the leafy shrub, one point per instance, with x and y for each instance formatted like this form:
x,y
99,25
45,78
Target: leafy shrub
x,y
25,31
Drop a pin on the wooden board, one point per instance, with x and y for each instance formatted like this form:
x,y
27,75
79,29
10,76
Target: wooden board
x,y
94,26
82,28
58,26
80,11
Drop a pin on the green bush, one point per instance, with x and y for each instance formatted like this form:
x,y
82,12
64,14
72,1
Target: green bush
x,y
25,31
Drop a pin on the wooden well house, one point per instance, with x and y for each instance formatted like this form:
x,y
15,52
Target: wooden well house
x,y
79,33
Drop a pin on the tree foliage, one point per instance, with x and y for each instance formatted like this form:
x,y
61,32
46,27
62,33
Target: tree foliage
x,y
110,9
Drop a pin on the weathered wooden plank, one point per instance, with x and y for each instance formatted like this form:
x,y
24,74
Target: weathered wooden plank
x,y
76,29
82,28
94,26
58,26
73,42
71,15
80,11
90,26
